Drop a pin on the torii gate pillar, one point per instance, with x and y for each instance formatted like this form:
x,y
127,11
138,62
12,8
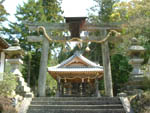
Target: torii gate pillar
x,y
107,68
43,68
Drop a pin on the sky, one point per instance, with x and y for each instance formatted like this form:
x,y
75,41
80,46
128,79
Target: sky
x,y
70,7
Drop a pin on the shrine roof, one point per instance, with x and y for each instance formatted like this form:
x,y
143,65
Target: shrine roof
x,y
77,63
80,57
76,67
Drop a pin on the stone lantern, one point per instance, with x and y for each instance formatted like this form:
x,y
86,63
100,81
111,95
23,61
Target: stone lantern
x,y
136,77
135,52
14,54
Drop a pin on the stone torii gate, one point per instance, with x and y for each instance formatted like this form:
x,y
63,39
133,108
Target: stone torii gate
x,y
75,25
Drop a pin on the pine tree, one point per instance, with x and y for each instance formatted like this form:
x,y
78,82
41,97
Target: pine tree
x,y
3,13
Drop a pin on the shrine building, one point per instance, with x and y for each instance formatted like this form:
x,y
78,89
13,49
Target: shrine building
x,y
77,76
3,45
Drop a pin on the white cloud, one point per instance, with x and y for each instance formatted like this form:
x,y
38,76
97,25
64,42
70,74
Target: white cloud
x,y
10,6
70,7
76,7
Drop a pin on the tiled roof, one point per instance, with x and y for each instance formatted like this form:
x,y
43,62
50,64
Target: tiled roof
x,y
79,55
92,66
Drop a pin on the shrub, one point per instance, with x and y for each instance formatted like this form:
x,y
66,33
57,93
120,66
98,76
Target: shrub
x,y
120,71
140,104
6,106
146,83
8,85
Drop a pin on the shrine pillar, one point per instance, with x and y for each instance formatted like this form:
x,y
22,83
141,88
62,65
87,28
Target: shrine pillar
x,y
58,92
97,88
2,62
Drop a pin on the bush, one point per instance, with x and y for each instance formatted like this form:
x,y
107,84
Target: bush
x,y
8,85
120,71
146,83
6,106
141,103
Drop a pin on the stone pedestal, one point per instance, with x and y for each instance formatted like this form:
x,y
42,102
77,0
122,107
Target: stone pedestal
x,y
137,73
22,87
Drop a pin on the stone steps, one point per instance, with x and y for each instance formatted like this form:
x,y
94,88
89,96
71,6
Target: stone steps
x,y
76,98
77,111
74,102
75,105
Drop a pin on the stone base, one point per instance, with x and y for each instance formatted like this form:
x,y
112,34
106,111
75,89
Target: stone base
x,y
134,85
22,88
134,92
136,78
29,95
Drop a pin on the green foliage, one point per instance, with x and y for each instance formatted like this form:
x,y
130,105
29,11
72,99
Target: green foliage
x,y
104,8
96,53
3,15
51,86
136,18
8,84
3,12
33,11
31,68
146,83
120,71
119,63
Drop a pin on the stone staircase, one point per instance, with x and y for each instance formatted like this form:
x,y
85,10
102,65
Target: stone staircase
x,y
76,105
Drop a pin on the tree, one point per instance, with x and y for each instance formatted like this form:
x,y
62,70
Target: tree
x,y
136,16
33,11
3,13
121,70
106,9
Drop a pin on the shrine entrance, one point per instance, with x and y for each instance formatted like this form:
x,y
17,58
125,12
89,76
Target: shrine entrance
x,y
75,25
77,76
75,89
